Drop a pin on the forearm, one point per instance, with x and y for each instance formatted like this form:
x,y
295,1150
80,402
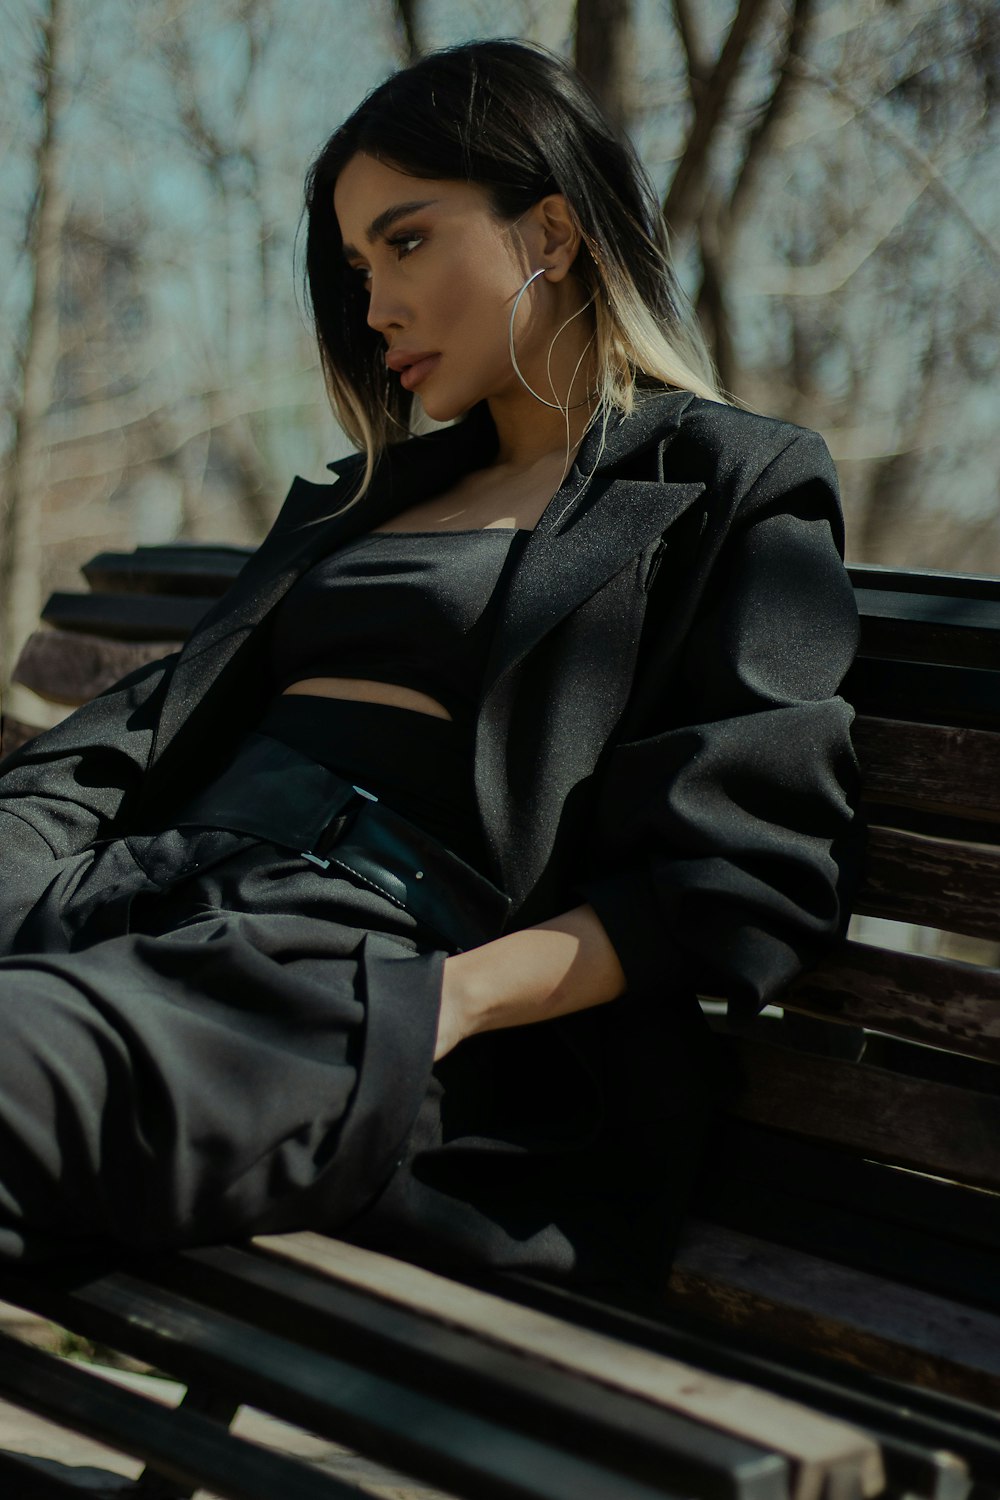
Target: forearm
x,y
560,966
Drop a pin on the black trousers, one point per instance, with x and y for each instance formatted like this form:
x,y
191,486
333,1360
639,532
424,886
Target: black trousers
x,y
205,1036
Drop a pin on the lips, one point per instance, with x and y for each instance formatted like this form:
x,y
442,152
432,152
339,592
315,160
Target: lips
x,y
411,367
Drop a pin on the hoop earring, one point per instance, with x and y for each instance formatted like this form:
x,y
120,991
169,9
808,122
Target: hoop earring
x,y
552,405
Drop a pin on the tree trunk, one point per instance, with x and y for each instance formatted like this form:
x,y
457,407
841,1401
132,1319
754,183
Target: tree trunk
x,y
21,560
604,55
690,184
408,26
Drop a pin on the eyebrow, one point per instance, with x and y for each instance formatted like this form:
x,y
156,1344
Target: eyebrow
x,y
386,219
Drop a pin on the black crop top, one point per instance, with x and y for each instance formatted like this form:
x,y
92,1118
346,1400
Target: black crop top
x,y
409,607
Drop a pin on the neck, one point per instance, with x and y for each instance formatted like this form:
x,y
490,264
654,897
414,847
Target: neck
x,y
528,433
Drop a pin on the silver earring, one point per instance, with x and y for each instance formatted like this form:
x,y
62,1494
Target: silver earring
x,y
553,405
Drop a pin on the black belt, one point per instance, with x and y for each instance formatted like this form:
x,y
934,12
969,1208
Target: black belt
x,y
276,793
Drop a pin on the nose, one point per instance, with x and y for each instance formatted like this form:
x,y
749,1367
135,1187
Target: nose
x,y
386,312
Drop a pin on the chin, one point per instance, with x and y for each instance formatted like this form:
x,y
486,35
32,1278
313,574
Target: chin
x,y
422,421
440,409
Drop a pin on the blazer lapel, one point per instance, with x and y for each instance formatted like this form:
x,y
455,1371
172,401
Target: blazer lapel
x,y
589,531
315,520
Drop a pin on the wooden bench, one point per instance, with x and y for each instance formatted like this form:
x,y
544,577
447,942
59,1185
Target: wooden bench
x,y
831,1326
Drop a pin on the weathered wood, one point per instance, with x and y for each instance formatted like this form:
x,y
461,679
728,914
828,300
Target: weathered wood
x,y
892,1330
912,1122
434,1429
823,1448
932,1000
934,882
906,1226
71,667
194,569
930,766
595,1423
129,617
14,733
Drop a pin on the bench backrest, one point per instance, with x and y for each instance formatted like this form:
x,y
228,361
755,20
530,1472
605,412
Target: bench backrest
x,y
927,688
864,1142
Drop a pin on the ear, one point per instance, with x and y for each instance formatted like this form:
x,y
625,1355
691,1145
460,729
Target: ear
x,y
558,235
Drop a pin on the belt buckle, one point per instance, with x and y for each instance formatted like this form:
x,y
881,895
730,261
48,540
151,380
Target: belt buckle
x,y
317,859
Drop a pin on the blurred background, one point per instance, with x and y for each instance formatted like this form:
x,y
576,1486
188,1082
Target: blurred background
x,y
829,171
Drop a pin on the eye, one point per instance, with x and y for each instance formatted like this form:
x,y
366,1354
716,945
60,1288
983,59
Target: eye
x,y
401,245
405,244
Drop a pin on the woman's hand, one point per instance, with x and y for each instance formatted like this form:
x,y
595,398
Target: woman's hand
x,y
560,966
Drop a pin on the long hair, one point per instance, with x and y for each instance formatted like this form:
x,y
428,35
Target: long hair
x,y
519,122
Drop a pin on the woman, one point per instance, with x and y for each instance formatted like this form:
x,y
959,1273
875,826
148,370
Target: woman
x,y
496,755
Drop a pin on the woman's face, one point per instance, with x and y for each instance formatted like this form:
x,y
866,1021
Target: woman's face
x,y
441,271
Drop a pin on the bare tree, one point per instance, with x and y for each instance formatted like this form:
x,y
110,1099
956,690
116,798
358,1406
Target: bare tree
x,y
233,169
711,90
828,179
407,17
604,55
21,557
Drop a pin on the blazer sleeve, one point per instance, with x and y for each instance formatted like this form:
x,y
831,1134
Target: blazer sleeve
x,y
76,783
735,844
68,786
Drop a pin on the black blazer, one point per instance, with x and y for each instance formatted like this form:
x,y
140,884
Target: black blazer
x,y
659,733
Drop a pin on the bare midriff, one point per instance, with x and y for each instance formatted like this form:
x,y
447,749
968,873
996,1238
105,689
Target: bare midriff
x,y
363,690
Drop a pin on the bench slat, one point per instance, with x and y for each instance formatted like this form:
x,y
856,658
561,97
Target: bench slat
x,y
187,1447
15,732
894,1330
128,617
903,1226
191,569
934,882
924,581
936,628
25,1478
930,766
72,666
820,1446
913,1122
939,1002
907,1200
594,1420
919,1429
402,1422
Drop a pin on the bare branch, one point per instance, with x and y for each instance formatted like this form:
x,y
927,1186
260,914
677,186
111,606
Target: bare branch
x,y
714,311
680,207
21,560
761,138
408,26
603,54
698,65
